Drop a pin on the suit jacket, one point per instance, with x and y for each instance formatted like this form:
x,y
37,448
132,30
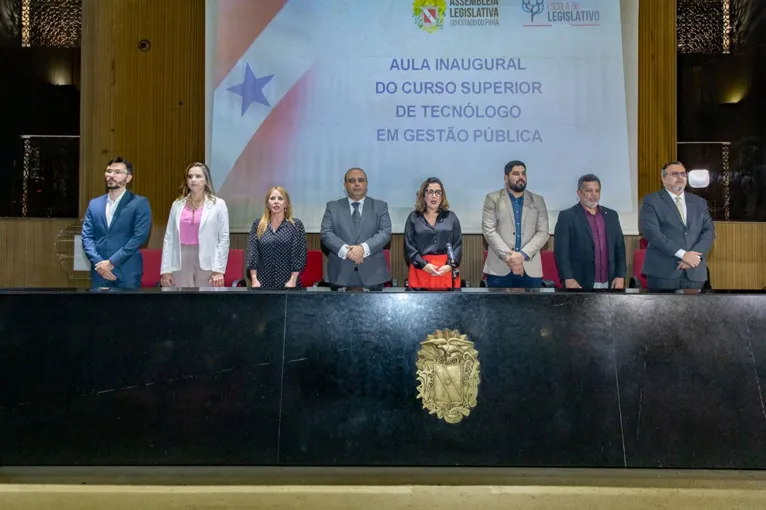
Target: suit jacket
x,y
574,250
374,229
213,237
119,242
498,225
661,225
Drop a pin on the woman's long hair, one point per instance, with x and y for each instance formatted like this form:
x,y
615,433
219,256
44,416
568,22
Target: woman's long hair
x,y
209,190
420,203
266,218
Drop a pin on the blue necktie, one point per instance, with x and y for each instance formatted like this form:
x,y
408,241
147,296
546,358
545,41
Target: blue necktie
x,y
356,216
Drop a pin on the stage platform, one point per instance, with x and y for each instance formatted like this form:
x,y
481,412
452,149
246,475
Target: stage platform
x,y
238,377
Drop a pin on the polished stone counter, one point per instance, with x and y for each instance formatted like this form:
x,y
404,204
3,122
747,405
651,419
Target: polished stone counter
x,y
313,378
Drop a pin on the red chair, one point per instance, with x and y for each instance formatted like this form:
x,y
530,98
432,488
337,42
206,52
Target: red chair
x,y
638,280
550,270
153,265
312,273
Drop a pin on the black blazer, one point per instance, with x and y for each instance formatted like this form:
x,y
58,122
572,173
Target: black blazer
x,y
574,250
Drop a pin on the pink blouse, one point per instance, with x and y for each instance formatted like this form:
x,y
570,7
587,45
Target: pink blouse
x,y
190,225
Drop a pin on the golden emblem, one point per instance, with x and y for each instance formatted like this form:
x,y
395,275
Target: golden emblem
x,y
448,373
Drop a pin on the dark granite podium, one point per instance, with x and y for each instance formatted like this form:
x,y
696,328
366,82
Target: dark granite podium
x,y
241,377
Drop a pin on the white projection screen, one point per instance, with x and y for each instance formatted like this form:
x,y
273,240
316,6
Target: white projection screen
x,y
299,91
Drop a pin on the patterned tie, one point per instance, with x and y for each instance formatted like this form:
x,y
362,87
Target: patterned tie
x,y
680,207
356,216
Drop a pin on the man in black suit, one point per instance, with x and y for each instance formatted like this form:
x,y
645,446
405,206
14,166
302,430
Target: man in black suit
x,y
680,233
588,243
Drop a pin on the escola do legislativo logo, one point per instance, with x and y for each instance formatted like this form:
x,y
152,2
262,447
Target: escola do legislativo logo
x,y
429,14
533,7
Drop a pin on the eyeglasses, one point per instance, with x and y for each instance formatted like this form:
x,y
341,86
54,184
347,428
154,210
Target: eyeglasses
x,y
677,174
434,192
115,172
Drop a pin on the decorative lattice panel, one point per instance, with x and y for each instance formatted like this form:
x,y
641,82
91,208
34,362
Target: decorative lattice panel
x,y
700,26
51,23
49,183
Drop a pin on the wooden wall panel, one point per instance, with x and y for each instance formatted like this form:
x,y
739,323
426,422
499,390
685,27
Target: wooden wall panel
x,y
28,257
656,91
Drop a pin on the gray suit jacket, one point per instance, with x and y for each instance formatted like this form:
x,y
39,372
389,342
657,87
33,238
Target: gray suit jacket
x,y
499,228
660,223
374,229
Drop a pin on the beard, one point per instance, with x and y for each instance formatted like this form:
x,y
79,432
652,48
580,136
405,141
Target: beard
x,y
519,186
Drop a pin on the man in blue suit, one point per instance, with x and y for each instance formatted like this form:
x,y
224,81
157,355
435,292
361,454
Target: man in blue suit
x,y
116,226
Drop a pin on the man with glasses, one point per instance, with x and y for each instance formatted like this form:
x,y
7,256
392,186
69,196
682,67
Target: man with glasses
x,y
116,226
355,230
680,233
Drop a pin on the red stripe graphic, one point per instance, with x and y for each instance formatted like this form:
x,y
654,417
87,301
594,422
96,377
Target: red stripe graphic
x,y
240,22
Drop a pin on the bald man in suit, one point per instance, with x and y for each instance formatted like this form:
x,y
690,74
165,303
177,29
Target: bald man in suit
x,y
355,230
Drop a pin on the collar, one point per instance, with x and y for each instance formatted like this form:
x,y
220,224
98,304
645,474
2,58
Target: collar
x,y
598,209
673,195
109,198
361,202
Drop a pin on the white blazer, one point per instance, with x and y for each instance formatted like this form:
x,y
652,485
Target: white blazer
x,y
213,237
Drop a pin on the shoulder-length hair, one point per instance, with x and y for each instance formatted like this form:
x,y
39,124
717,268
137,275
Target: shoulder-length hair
x,y
420,203
266,218
209,189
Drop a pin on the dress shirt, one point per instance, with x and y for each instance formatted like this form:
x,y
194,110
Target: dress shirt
x,y
600,250
680,253
111,206
518,207
421,238
345,248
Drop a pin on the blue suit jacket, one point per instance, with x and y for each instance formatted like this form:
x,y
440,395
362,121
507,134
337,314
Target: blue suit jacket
x,y
120,242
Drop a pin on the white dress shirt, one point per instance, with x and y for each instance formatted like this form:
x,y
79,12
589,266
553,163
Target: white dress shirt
x,y
345,248
680,253
111,206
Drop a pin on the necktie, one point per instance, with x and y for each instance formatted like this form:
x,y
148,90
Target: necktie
x,y
680,207
356,216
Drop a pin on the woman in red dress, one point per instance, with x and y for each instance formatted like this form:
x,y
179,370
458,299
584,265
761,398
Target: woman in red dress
x,y
430,229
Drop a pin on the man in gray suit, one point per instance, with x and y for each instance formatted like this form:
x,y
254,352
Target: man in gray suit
x,y
355,230
680,233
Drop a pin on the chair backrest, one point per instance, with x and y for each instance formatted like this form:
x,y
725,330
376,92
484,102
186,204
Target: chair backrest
x,y
312,273
235,267
638,265
387,255
643,243
152,264
550,269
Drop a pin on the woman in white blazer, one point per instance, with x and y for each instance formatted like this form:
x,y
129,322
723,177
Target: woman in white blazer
x,y
196,247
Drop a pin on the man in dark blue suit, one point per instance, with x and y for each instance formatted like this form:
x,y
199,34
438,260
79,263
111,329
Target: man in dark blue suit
x,y
588,243
680,233
116,226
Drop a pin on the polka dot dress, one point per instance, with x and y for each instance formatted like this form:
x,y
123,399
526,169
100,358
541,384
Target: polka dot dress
x,y
277,254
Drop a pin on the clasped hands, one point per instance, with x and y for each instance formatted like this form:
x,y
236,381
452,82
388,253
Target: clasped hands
x,y
691,259
356,253
104,268
515,261
437,271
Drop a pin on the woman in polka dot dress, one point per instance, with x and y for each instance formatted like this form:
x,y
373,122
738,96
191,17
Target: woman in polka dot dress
x,y
277,244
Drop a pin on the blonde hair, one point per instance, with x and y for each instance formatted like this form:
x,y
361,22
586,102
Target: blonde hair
x,y
209,190
420,203
266,218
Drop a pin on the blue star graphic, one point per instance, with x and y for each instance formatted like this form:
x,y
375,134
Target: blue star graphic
x,y
251,89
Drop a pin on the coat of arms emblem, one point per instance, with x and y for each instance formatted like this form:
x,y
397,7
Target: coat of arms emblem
x,y
448,375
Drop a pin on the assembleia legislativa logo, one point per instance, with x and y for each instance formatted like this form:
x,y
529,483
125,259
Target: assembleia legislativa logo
x,y
429,14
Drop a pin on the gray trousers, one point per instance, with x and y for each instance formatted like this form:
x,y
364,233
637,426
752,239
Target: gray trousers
x,y
190,274
684,282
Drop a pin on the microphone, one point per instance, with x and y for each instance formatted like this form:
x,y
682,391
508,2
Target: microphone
x,y
450,254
